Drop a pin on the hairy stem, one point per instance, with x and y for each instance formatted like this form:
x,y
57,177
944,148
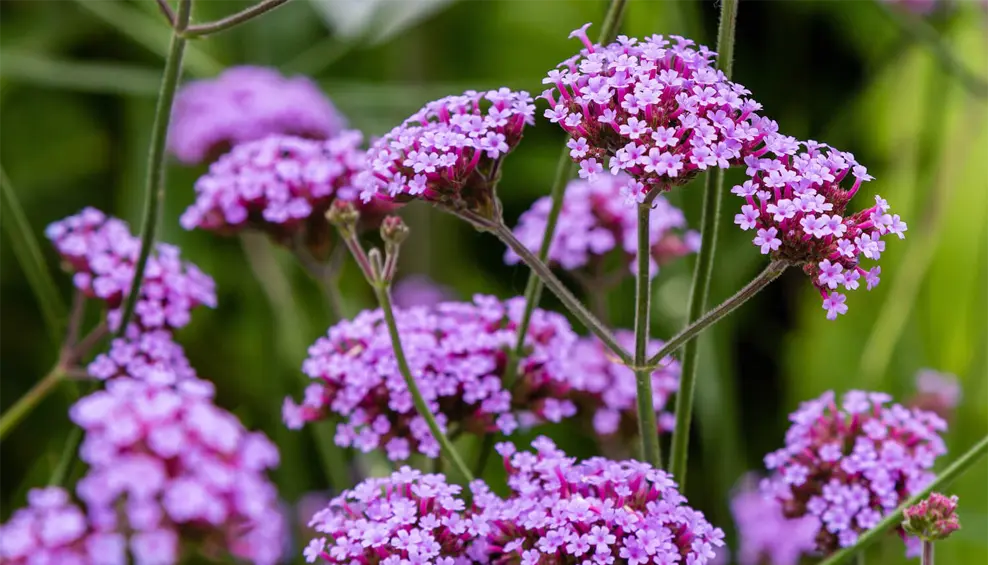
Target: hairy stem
x,y
228,22
384,299
648,429
154,185
927,558
703,271
956,469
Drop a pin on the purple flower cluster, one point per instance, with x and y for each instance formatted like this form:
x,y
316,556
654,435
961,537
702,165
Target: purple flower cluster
x,y
659,111
457,352
278,184
165,461
53,530
593,222
102,252
245,104
765,535
408,518
796,203
848,466
936,392
419,290
605,387
596,512
450,151
149,356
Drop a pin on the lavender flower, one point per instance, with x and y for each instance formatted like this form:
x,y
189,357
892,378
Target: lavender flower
x,y
602,385
933,518
936,392
164,459
595,511
102,252
796,203
766,536
419,290
457,353
149,356
450,152
51,529
659,111
593,222
409,518
281,185
848,466
245,104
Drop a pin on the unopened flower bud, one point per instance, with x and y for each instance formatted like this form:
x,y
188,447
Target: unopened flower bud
x,y
932,519
393,230
344,216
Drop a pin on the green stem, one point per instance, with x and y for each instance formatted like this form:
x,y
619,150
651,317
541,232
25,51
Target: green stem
x,y
703,271
65,460
228,22
29,255
927,558
154,186
559,289
648,429
26,403
894,519
384,299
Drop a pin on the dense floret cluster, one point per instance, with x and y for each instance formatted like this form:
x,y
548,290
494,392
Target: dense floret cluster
x,y
149,356
765,535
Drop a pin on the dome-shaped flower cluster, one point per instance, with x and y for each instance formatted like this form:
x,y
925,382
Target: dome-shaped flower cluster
x,y
605,387
164,459
765,535
102,252
848,466
148,356
655,109
245,104
450,151
406,518
457,353
595,511
796,203
593,222
277,184
53,530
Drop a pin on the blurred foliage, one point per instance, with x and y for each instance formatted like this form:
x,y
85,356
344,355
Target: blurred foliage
x,y
77,87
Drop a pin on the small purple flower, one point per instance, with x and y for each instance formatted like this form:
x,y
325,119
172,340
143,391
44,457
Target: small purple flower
x,y
449,152
855,463
595,511
101,252
246,104
595,222
150,356
765,535
457,352
655,109
796,201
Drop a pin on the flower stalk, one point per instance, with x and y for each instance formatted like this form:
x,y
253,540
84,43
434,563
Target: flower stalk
x,y
648,428
243,16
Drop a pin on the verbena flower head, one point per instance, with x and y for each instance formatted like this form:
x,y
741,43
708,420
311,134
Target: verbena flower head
x,y
796,202
849,465
148,356
53,530
102,252
594,511
656,109
281,185
765,535
605,387
936,392
407,518
164,460
450,152
594,222
933,519
419,290
244,104
457,352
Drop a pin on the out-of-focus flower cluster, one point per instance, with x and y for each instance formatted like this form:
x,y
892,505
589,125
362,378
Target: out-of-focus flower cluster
x,y
246,104
164,461
450,151
936,392
921,7
102,253
656,109
605,387
419,290
457,353
594,222
796,203
848,466
149,356
765,535
409,517
594,511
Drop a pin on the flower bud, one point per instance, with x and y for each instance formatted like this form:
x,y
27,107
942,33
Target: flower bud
x,y
344,216
394,231
932,519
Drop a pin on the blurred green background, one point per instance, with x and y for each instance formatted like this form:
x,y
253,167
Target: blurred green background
x,y
77,88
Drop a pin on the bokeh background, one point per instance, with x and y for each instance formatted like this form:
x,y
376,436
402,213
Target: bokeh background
x,y
77,88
